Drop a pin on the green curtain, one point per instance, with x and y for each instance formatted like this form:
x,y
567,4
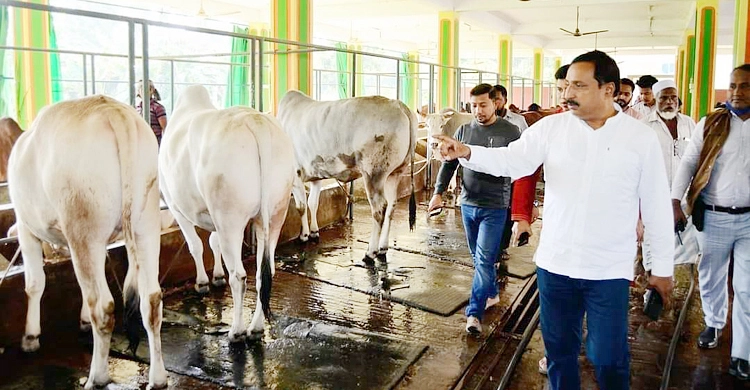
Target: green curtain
x,y
238,92
342,71
54,64
5,89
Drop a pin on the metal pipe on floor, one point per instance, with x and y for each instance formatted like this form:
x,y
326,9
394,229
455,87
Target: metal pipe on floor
x,y
677,332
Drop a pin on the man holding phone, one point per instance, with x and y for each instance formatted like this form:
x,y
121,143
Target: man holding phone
x,y
600,165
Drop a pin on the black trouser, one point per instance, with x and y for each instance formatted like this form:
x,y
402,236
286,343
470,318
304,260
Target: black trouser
x,y
505,243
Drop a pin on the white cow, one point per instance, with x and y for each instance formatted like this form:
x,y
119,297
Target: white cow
x,y
446,122
218,170
369,137
86,170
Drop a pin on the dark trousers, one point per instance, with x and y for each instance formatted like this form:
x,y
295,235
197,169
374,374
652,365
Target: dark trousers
x,y
508,223
563,302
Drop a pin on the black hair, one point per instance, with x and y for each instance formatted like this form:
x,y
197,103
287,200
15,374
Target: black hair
x,y
605,68
562,72
646,81
483,88
628,82
502,90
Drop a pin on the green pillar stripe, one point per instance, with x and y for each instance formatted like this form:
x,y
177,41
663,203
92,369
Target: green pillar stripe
x,y
537,94
690,74
708,35
282,32
304,36
445,58
343,67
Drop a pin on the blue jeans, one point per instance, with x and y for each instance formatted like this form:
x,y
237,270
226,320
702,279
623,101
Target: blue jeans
x,y
484,233
563,302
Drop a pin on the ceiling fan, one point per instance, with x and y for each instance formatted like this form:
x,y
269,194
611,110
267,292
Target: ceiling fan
x,y
203,14
578,32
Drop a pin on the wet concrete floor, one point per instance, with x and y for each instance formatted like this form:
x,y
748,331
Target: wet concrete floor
x,y
350,334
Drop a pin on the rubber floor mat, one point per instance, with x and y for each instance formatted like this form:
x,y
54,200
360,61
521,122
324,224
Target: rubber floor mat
x,y
411,279
294,354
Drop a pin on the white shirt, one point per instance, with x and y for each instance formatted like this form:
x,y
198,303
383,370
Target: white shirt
x,y
672,149
729,185
643,109
516,119
595,180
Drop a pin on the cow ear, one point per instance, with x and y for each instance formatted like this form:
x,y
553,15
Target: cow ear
x,y
448,114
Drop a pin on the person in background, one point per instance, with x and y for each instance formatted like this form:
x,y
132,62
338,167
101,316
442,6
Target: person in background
x,y
158,113
647,103
626,96
485,200
714,172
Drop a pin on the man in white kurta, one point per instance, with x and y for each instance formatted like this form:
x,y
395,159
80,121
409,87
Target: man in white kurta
x,y
599,164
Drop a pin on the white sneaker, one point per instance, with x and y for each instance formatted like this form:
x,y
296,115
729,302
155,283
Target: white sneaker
x,y
473,325
492,302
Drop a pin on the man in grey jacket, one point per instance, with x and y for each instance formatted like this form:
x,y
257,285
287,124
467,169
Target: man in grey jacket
x,y
485,201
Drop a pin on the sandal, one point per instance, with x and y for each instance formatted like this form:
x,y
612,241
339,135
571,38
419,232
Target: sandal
x,y
543,366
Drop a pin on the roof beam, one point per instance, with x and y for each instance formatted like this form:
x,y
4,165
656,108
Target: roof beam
x,y
485,5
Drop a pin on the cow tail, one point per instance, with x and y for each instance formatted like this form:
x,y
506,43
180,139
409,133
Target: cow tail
x,y
263,137
414,124
126,135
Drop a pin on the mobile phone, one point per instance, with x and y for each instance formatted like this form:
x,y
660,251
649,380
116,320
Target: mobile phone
x,y
436,211
653,304
523,239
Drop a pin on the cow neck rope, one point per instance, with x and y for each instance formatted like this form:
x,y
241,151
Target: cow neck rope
x,y
10,265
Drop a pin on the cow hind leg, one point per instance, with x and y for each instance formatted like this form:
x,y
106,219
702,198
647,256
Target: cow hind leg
x,y
314,201
150,302
35,280
391,197
88,262
219,278
298,190
230,241
84,323
196,250
263,281
378,205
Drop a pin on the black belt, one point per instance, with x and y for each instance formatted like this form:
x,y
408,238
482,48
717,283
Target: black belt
x,y
730,210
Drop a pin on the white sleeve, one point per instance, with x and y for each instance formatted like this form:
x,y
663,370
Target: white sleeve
x,y
520,158
656,209
689,162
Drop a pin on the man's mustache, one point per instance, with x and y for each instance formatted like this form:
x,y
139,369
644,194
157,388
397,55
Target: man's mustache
x,y
571,102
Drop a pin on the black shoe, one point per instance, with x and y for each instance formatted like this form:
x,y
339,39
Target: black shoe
x,y
709,338
738,368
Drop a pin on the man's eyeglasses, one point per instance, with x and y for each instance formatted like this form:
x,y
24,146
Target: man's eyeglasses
x,y
666,98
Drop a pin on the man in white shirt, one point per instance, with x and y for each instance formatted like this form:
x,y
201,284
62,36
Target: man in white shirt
x,y
715,171
501,99
647,103
673,131
625,97
599,166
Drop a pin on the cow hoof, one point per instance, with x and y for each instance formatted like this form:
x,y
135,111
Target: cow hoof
x,y
315,237
84,326
30,343
303,238
238,337
100,383
382,257
157,386
255,336
369,261
219,281
201,288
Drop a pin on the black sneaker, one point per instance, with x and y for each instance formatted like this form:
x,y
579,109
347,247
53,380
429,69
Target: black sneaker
x,y
709,338
738,368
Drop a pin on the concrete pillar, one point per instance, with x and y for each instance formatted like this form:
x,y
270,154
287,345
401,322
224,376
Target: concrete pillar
x,y
410,80
679,69
447,56
688,68
292,20
705,56
264,90
538,68
741,33
505,59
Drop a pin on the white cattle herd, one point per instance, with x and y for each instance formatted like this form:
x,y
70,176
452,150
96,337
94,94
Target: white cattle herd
x,y
89,172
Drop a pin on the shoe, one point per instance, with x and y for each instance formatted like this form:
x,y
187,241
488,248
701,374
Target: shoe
x,y
473,325
709,338
738,368
543,366
492,302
